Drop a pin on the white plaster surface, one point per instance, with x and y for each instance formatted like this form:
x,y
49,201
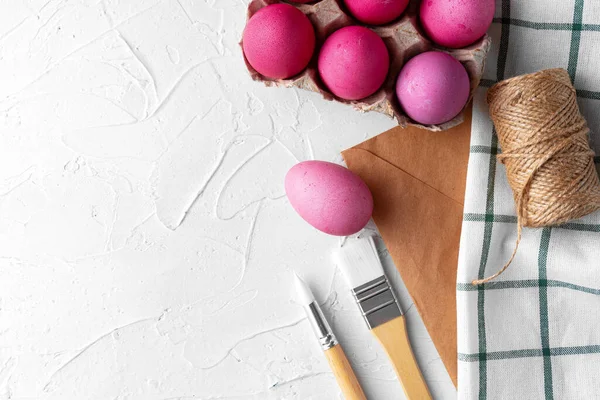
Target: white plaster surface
x,y
146,245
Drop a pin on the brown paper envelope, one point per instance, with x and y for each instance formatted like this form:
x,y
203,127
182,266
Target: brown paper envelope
x,y
417,178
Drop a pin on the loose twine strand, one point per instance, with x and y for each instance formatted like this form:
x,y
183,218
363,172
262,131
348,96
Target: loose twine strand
x,y
545,148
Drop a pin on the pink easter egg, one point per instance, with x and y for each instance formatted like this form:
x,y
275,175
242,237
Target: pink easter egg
x,y
353,62
279,41
376,12
329,197
456,23
433,88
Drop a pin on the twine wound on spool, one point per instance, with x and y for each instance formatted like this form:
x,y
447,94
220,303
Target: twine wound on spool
x,y
545,148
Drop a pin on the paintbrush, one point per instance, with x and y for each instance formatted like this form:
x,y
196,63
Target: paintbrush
x,y
360,264
338,362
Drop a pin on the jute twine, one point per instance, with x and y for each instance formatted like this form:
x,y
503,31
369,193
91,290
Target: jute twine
x,y
545,148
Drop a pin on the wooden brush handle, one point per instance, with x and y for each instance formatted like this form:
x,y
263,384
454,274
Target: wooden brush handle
x,y
344,374
394,339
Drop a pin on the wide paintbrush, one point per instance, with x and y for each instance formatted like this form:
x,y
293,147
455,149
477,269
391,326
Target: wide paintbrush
x,y
362,268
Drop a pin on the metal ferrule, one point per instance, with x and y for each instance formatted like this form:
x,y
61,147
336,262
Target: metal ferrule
x,y
377,302
320,326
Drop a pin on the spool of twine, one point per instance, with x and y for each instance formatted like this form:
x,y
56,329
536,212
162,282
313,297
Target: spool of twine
x,y
545,148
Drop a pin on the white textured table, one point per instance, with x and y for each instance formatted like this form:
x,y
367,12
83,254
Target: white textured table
x,y
146,246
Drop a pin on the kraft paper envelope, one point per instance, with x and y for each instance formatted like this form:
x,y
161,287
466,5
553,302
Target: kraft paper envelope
x,y
417,178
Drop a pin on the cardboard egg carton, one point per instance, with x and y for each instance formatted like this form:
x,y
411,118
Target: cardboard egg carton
x,y
404,39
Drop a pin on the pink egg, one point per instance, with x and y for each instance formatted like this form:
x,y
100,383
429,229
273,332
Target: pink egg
x,y
329,197
353,62
433,87
279,41
456,23
376,12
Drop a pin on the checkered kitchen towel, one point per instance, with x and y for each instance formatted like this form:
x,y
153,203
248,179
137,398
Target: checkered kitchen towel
x,y
534,332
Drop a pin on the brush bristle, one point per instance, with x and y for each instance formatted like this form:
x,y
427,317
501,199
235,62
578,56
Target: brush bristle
x,y
359,261
303,293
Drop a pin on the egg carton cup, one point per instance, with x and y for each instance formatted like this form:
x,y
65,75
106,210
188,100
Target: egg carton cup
x,y
404,39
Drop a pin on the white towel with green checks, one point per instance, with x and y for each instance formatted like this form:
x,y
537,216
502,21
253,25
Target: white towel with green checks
x,y
534,332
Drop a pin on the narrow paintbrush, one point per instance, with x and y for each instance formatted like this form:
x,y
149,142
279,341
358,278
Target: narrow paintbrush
x,y
362,268
333,351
